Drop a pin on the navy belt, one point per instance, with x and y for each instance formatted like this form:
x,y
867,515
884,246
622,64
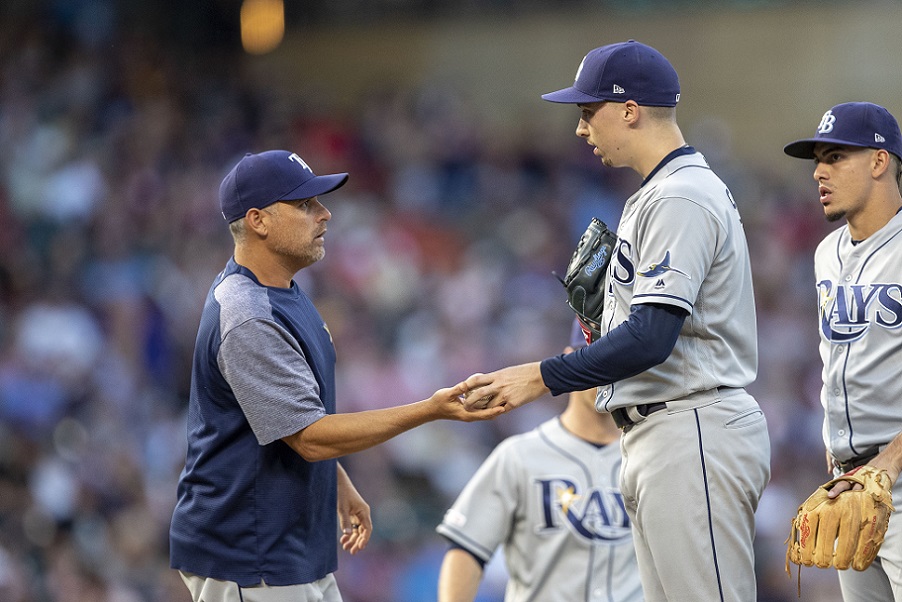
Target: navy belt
x,y
622,417
867,456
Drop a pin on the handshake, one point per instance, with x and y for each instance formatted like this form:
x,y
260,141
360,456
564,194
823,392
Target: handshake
x,y
484,396
585,283
475,399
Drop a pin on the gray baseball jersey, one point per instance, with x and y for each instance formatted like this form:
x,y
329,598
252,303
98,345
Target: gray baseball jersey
x,y
552,501
680,242
860,299
860,309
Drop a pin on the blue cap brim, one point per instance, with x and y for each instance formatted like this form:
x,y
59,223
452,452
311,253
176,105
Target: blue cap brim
x,y
316,186
804,149
570,96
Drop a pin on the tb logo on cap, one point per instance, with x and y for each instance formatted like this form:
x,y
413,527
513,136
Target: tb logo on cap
x,y
826,124
294,157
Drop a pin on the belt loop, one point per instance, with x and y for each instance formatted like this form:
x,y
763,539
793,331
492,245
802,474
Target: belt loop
x,y
627,417
633,414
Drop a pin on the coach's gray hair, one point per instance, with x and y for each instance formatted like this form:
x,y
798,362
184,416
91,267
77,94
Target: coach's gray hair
x,y
239,233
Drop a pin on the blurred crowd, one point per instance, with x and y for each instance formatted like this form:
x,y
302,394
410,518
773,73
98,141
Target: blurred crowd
x,y
440,260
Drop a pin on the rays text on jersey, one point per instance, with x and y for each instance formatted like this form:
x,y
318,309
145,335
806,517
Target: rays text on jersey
x,y
848,311
594,514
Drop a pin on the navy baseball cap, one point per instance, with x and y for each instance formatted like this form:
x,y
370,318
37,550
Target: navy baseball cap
x,y
258,181
620,72
852,124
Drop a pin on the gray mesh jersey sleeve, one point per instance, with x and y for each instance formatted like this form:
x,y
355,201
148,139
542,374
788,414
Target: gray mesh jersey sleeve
x,y
264,364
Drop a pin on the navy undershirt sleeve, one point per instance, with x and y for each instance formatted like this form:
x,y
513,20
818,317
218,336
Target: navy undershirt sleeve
x,y
457,546
644,340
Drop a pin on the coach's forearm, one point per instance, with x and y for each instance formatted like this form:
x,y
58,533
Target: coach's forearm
x,y
459,578
337,435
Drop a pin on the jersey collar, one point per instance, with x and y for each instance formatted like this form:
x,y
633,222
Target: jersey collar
x,y
683,150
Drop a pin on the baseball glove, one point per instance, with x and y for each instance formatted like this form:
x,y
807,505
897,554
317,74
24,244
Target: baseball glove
x,y
585,277
844,531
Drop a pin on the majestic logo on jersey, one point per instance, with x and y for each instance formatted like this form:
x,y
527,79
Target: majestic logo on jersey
x,y
826,124
656,269
596,514
847,312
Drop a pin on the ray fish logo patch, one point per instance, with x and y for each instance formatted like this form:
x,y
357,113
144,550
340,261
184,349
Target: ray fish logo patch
x,y
659,268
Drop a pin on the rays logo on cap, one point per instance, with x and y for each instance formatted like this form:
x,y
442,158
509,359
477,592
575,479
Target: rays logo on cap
x,y
580,68
861,124
826,124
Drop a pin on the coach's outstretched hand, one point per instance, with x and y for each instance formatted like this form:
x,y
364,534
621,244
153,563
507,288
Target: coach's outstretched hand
x,y
509,387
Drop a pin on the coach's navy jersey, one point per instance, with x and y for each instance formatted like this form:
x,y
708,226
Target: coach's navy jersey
x,y
249,508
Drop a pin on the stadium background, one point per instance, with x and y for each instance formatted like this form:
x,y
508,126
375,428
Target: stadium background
x,y
118,119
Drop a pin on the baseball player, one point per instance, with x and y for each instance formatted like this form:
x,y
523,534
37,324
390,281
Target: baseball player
x,y
261,497
551,498
857,152
678,340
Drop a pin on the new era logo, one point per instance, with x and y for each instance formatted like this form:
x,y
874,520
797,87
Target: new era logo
x,y
618,90
294,157
878,138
